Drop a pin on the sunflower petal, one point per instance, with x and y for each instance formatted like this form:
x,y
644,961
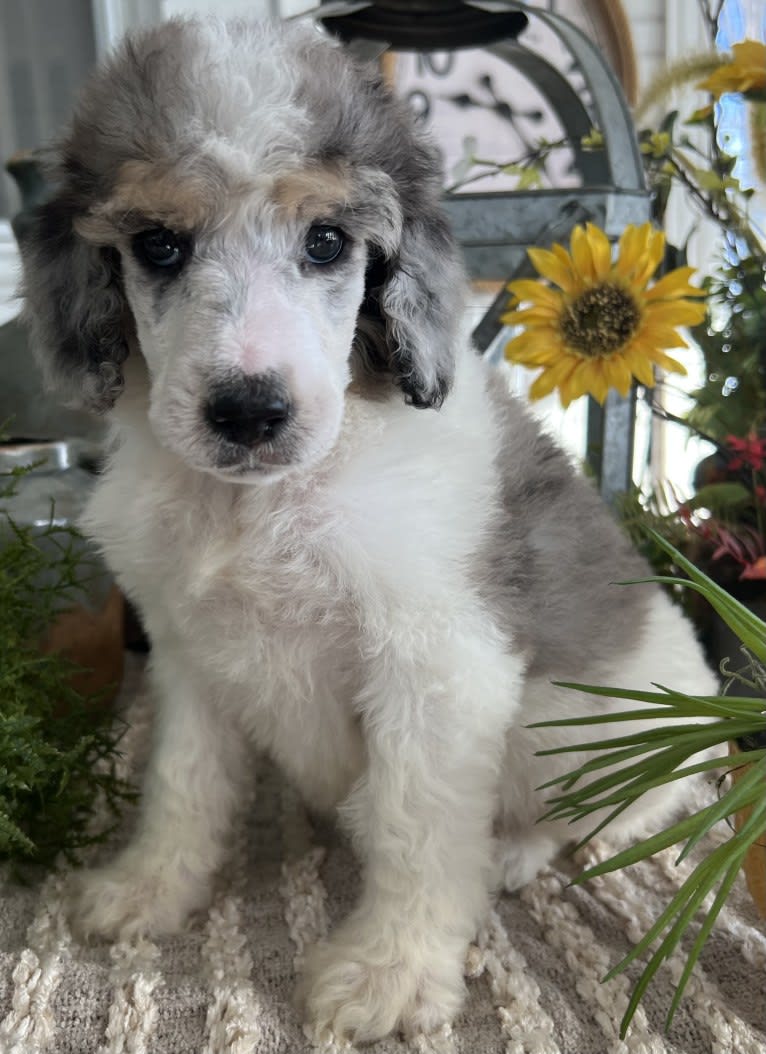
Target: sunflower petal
x,y
745,72
581,254
651,260
551,378
522,343
566,261
599,385
670,364
525,316
633,247
637,359
537,354
601,251
750,53
618,374
675,313
660,336
566,394
536,335
579,382
529,289
551,267
627,250
674,285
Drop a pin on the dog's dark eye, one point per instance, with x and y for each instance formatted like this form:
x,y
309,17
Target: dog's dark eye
x,y
324,244
160,247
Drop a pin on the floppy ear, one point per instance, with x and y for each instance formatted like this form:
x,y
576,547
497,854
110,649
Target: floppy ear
x,y
75,306
421,302
410,318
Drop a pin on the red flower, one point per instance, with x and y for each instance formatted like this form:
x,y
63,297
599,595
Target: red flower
x,y
750,452
755,570
745,548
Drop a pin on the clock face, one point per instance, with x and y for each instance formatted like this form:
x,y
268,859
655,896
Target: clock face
x,y
479,105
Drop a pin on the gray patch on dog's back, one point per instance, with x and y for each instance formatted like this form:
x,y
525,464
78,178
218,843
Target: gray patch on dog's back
x,y
555,556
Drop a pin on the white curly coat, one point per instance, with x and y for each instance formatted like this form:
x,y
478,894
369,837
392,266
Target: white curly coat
x,y
332,601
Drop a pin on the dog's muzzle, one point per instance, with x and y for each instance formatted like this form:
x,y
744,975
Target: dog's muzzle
x,y
248,411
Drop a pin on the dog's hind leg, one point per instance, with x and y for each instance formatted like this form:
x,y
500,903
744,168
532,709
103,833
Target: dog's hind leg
x,y
520,859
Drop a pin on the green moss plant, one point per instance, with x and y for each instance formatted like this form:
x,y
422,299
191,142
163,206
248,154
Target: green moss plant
x,y
660,754
57,748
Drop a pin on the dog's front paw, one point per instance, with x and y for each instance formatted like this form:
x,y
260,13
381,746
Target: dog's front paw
x,y
124,900
362,990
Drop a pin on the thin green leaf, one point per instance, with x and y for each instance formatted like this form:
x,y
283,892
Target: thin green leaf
x,y
667,699
678,832
703,877
709,732
607,820
709,871
748,627
704,734
727,761
668,758
600,761
667,947
735,614
704,933
744,792
681,897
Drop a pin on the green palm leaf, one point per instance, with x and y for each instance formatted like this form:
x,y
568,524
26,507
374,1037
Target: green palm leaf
x,y
649,758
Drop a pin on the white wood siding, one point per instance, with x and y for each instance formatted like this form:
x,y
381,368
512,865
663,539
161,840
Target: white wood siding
x,y
647,23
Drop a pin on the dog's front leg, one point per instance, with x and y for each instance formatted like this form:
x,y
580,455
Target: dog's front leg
x,y
434,711
188,797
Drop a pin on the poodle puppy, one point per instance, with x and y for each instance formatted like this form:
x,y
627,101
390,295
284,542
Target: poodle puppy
x,y
351,547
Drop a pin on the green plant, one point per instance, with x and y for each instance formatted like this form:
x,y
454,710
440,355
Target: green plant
x,y
688,155
57,747
655,756
732,398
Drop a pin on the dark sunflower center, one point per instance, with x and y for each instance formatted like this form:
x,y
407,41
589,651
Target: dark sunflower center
x,y
600,320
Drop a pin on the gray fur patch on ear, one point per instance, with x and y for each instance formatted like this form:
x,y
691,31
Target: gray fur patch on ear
x,y
410,317
81,325
75,308
421,305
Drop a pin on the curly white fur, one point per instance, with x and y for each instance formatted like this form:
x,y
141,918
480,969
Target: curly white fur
x,y
380,601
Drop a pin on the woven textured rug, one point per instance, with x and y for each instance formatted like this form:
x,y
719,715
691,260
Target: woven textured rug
x,y
225,985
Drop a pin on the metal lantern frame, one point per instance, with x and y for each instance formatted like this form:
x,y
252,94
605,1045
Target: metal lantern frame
x,y
495,229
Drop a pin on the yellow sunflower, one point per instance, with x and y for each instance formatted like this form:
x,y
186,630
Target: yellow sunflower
x,y
604,325
746,72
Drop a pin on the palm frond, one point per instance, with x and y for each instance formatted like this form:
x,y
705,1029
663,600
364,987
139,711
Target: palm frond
x,y
624,768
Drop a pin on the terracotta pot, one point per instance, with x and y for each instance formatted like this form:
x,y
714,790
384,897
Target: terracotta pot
x,y
55,485
93,640
755,861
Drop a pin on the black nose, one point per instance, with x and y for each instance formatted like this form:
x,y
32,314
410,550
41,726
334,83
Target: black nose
x,y
248,410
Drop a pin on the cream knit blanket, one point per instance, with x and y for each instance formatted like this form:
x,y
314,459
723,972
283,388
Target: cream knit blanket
x,y
224,986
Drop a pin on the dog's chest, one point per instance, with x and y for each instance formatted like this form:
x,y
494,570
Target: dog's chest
x,y
240,581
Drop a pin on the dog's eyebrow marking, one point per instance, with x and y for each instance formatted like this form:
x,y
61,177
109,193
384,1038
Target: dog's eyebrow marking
x,y
312,192
183,196
361,196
